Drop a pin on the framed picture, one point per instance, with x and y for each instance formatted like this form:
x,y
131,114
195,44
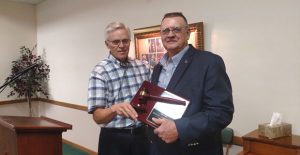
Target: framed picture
x,y
148,45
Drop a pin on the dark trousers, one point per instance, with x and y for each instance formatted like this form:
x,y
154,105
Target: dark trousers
x,y
114,141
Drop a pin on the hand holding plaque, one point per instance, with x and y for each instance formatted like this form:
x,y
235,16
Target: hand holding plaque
x,y
153,101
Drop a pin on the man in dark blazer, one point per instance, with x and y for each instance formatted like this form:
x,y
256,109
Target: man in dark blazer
x,y
200,77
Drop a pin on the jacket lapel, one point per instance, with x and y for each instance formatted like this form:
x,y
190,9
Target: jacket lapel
x,y
181,68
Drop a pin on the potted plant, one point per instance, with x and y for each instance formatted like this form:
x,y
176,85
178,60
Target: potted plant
x,y
32,83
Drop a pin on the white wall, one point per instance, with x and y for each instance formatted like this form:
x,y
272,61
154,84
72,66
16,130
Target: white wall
x,y
259,41
17,28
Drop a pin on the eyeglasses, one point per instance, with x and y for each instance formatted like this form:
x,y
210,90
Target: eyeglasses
x,y
175,30
118,42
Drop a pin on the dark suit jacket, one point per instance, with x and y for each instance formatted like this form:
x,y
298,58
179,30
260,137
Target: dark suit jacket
x,y
201,78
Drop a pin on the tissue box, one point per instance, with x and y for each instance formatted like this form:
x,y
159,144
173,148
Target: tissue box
x,y
276,131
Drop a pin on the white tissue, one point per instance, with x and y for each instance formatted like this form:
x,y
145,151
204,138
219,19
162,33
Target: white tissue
x,y
276,119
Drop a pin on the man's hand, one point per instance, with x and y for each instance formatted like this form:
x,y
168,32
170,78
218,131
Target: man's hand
x,y
124,109
167,130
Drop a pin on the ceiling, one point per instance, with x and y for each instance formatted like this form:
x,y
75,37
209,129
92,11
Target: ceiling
x,y
34,2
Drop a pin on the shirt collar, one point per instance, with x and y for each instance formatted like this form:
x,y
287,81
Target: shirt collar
x,y
176,58
116,61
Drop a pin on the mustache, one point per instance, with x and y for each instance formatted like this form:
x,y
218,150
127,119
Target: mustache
x,y
171,40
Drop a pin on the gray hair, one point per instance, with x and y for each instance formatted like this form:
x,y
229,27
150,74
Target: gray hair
x,y
176,14
113,26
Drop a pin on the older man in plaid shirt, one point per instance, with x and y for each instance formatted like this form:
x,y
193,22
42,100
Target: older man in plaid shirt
x,y
112,84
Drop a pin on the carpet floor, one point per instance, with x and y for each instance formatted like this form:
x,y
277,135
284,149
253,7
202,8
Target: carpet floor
x,y
69,150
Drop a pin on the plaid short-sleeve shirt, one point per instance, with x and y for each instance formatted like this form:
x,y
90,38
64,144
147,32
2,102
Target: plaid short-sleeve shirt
x,y
112,82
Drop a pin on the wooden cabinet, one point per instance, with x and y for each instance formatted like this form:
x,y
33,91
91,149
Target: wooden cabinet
x,y
256,145
31,135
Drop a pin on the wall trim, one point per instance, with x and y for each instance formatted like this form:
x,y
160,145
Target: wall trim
x,y
12,101
79,147
59,103
64,104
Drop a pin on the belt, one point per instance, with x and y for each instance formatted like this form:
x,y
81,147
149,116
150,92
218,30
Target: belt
x,y
132,131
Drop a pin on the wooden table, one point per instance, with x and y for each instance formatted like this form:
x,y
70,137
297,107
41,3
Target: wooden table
x,y
258,145
31,135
